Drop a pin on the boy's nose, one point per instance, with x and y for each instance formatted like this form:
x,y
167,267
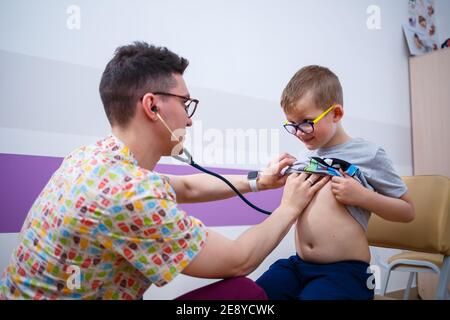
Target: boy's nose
x,y
301,134
189,123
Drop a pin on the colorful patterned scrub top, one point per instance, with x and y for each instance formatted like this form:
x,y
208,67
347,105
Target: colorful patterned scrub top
x,y
102,228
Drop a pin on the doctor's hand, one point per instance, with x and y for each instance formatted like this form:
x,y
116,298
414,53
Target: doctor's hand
x,y
271,177
300,189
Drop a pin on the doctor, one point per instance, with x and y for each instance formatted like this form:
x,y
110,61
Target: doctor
x,y
107,226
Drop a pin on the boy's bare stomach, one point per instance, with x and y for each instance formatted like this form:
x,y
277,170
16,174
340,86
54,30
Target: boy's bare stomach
x,y
326,232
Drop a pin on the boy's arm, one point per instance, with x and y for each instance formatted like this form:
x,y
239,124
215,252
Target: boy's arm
x,y
392,209
348,191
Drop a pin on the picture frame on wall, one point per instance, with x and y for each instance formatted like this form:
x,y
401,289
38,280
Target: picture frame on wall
x,y
421,32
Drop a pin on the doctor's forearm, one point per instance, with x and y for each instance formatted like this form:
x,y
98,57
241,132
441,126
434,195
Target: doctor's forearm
x,y
258,241
203,187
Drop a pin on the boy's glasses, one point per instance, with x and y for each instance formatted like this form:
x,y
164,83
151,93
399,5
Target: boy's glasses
x,y
306,126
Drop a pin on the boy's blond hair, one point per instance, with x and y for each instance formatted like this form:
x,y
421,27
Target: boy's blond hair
x,y
323,84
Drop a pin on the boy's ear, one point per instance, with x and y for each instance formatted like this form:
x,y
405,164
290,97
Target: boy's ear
x,y
338,112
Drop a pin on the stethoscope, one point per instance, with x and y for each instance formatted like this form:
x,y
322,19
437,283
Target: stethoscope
x,y
190,161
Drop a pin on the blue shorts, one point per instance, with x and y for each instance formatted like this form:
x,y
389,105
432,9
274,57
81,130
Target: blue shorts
x,y
295,278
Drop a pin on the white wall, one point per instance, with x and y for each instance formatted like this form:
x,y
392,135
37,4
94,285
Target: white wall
x,y
242,54
443,19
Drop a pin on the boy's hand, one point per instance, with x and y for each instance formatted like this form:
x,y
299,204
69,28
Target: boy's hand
x,y
270,177
347,190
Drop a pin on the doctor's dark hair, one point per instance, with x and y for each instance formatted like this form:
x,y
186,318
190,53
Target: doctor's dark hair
x,y
319,81
134,70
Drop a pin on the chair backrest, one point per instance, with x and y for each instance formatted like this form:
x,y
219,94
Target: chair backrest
x,y
430,230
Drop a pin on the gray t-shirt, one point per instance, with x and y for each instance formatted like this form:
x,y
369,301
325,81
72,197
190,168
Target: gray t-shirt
x,y
374,165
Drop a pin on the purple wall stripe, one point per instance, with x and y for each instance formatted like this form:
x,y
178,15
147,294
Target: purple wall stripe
x,y
24,176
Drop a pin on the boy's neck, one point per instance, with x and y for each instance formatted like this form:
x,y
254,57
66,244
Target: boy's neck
x,y
339,137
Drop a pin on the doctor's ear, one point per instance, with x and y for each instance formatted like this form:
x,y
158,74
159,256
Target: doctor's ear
x,y
149,106
148,100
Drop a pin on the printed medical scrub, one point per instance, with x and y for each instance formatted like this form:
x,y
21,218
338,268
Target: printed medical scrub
x,y
102,228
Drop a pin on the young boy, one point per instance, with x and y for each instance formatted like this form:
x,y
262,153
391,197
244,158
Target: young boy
x,y
333,256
